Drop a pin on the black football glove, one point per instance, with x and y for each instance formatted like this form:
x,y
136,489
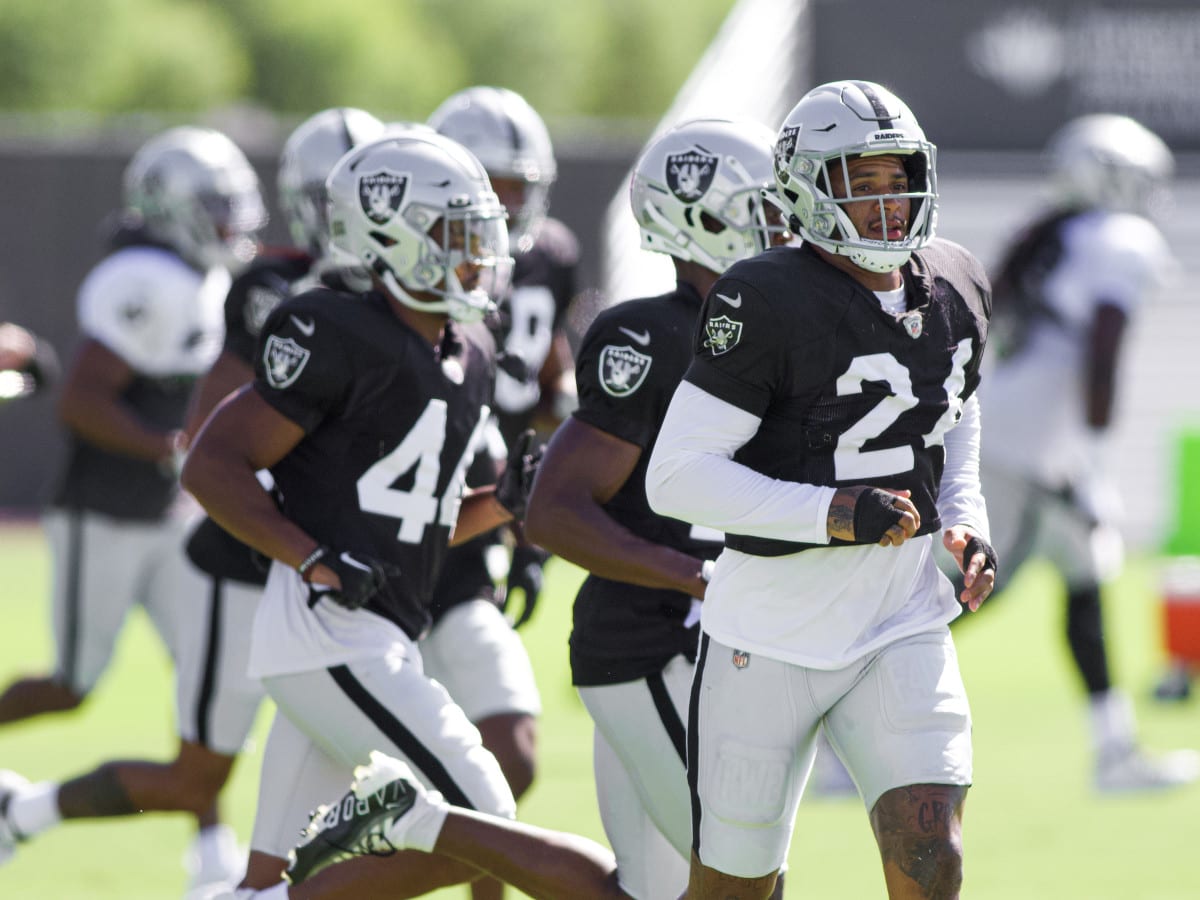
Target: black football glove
x,y
524,575
979,545
516,481
362,577
874,513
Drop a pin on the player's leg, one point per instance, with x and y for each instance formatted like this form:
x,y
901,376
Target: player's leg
x,y
389,808
216,705
752,729
97,563
641,777
476,655
904,730
389,704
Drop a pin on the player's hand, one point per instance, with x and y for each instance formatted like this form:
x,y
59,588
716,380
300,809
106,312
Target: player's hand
x,y
976,560
516,481
525,577
870,515
356,577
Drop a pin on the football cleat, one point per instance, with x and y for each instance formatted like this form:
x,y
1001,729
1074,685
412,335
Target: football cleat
x,y
1132,769
9,836
359,824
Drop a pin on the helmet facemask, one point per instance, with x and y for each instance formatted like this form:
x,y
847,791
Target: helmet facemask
x,y
420,215
832,125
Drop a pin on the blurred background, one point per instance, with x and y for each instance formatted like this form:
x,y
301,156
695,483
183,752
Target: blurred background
x,y
84,82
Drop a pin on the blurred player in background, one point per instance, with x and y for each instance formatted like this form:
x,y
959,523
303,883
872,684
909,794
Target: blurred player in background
x,y
150,314
216,701
533,385
1065,292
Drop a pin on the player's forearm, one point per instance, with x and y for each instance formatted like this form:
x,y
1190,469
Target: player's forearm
x,y
229,491
105,421
479,513
583,533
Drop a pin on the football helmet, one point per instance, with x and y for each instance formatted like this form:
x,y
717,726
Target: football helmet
x,y
512,142
1110,162
194,190
308,157
837,122
697,192
417,210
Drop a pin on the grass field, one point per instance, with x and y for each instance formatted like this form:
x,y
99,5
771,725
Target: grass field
x,y
1034,828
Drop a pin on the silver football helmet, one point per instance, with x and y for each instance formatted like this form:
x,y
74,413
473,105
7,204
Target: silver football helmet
x,y
837,122
512,142
1111,162
308,157
194,190
697,192
417,210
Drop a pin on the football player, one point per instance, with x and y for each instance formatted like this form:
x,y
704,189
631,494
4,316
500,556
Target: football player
x,y
697,195
150,313
828,425
1066,289
365,408
533,384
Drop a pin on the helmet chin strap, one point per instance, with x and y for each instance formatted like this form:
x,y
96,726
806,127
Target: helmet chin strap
x,y
467,307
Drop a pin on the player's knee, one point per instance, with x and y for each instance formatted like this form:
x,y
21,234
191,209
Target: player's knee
x,y
512,739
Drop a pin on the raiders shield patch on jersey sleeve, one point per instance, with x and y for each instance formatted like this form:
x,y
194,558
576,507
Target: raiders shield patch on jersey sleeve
x,y
283,360
622,370
722,334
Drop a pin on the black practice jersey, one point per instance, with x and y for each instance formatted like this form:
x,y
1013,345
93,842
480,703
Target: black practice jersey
x,y
465,574
543,285
847,393
262,286
630,362
389,425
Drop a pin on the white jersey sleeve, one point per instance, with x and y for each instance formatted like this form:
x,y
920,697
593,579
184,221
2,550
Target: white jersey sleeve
x,y
154,311
692,475
961,500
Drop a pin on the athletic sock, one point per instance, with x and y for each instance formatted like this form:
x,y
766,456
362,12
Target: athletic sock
x,y
1112,718
33,809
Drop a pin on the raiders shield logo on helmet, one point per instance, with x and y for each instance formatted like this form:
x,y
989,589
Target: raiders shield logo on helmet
x,y
622,370
690,174
283,360
723,334
784,148
380,195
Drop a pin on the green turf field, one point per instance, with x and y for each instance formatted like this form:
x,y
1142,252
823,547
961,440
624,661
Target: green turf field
x,y
1034,829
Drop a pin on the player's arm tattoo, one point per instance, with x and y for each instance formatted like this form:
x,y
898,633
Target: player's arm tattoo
x,y
919,831
840,521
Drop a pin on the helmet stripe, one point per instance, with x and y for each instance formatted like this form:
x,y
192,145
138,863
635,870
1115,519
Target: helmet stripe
x,y
877,104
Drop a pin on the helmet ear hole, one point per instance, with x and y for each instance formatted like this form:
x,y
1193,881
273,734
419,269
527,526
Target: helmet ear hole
x,y
426,274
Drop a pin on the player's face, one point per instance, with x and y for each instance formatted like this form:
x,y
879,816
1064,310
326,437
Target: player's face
x,y
879,217
511,192
780,235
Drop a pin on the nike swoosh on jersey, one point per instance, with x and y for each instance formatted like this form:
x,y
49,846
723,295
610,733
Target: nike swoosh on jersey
x,y
735,302
305,328
643,338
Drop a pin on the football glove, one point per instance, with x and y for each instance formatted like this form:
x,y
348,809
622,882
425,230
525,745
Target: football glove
x,y
524,575
979,545
516,481
362,577
874,513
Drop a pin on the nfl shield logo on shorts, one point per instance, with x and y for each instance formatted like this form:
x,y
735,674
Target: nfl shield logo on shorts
x,y
723,333
283,360
380,195
622,370
740,659
690,174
